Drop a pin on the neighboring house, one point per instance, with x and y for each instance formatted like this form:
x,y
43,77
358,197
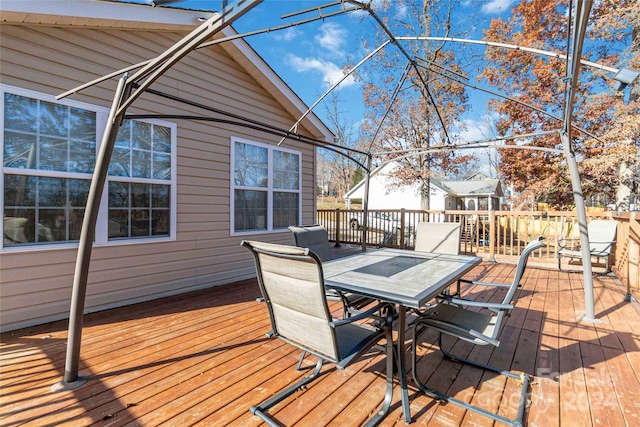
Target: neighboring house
x,y
478,192
181,194
475,193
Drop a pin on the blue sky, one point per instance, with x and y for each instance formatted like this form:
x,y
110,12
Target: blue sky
x,y
310,57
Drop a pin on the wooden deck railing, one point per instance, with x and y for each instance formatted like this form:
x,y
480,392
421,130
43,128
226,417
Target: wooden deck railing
x,y
490,234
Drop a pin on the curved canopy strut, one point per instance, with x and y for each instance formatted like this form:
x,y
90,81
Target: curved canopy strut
x,y
124,97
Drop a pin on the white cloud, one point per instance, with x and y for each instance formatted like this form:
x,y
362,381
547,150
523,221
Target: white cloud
x,y
287,35
330,72
475,130
402,12
494,7
332,36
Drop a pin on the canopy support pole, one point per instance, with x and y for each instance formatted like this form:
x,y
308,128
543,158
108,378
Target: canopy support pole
x,y
128,90
581,211
581,20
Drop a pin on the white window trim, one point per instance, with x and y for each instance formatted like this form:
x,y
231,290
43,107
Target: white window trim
x,y
270,149
101,236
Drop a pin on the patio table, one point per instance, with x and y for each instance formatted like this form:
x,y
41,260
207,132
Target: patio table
x,y
408,279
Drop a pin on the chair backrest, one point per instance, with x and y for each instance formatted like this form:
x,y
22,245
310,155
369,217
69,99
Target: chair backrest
x,y
602,235
292,283
314,237
522,265
438,237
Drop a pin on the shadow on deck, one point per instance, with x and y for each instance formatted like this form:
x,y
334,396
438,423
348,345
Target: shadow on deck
x,y
203,358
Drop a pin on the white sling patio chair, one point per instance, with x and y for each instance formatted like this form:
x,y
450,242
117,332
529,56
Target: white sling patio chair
x,y
438,237
479,324
292,283
602,236
316,238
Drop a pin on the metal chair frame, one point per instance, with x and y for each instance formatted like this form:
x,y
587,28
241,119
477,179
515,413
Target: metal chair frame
x,y
602,236
363,337
451,317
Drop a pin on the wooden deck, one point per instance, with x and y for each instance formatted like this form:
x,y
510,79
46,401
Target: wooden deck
x,y
203,358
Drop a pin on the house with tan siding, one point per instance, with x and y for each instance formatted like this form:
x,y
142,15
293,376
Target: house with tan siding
x,y
181,194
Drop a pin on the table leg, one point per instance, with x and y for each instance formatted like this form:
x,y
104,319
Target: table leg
x,y
402,365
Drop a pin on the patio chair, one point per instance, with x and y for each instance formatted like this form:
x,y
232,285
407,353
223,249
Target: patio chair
x,y
602,236
438,237
316,238
478,324
292,283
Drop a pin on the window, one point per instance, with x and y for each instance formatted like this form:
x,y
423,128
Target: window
x,y
48,155
140,181
265,187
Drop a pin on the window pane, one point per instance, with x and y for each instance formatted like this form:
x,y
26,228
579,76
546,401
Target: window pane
x,y
160,196
141,164
141,135
53,119
75,223
140,195
250,169
483,203
285,209
18,226
78,192
52,225
161,139
140,223
118,195
82,157
286,170
53,154
123,139
52,192
118,223
250,210
82,125
20,113
138,210
160,222
54,215
120,159
19,191
161,166
20,150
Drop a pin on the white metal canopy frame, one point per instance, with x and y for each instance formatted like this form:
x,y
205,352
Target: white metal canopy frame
x,y
131,87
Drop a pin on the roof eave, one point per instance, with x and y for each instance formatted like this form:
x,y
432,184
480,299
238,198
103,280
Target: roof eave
x,y
100,14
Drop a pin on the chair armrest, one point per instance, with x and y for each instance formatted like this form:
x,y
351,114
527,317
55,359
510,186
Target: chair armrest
x,y
475,282
480,304
607,241
365,315
462,330
478,335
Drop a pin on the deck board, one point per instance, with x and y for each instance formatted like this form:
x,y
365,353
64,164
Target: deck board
x,y
203,358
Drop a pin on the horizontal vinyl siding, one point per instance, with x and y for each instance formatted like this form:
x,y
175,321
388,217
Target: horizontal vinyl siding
x,y
36,284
